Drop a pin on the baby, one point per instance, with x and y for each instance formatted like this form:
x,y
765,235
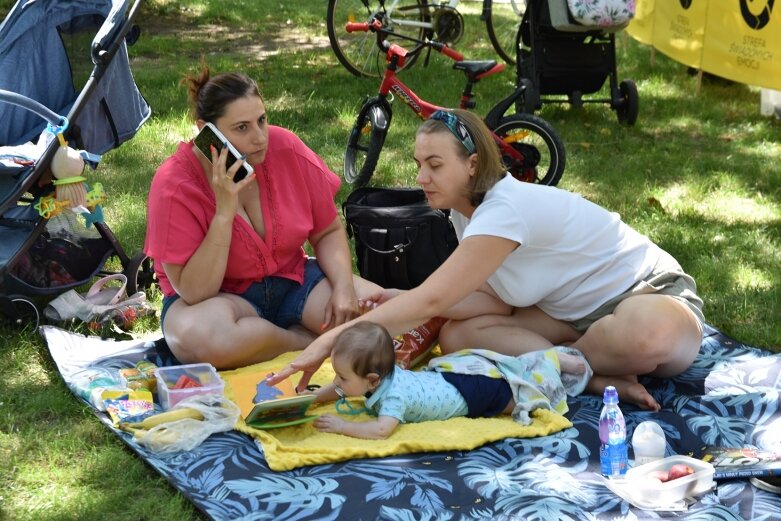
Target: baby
x,y
472,383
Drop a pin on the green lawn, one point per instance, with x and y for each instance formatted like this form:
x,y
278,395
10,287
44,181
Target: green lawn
x,y
700,173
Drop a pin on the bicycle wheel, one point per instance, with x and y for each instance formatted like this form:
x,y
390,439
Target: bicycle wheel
x,y
542,150
365,142
359,52
502,25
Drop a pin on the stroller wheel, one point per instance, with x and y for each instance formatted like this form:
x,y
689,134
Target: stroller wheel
x,y
20,311
140,273
629,106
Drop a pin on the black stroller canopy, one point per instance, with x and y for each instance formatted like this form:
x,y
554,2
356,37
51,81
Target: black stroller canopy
x,y
36,62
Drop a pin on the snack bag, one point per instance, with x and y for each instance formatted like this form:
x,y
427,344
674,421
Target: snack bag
x,y
90,383
413,346
128,406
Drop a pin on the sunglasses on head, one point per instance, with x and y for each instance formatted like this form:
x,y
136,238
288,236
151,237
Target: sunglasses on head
x,y
458,129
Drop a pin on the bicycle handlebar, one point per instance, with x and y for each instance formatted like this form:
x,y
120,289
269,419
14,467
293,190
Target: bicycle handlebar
x,y
376,27
353,27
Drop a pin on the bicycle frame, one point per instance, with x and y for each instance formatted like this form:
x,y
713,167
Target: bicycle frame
x,y
510,133
440,20
392,86
453,4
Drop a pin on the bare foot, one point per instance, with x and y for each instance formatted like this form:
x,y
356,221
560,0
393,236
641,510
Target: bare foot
x,y
571,363
629,390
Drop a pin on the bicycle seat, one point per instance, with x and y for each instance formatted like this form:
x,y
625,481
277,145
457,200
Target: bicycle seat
x,y
475,69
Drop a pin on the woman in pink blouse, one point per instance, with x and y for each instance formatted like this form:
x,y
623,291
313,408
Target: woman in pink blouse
x,y
238,287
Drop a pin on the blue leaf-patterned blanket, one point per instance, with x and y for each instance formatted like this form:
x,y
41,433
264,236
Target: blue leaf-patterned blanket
x,y
729,397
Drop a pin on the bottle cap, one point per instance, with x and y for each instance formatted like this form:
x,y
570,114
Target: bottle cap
x,y
610,396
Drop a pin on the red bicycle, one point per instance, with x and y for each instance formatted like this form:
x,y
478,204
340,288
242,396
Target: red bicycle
x,y
530,148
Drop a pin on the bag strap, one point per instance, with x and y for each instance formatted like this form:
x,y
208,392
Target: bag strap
x,y
396,238
398,271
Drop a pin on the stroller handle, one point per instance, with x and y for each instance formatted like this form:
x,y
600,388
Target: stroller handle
x,y
113,28
54,119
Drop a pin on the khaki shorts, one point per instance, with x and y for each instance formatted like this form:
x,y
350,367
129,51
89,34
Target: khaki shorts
x,y
667,278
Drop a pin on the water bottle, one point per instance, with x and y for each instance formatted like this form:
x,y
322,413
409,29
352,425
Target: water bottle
x,y
612,436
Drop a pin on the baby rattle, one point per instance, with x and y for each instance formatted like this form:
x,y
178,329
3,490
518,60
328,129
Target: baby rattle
x,y
67,167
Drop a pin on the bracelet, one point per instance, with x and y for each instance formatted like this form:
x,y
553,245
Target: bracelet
x,y
69,180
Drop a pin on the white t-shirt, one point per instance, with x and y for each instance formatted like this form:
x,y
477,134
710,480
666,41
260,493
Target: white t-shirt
x,y
573,254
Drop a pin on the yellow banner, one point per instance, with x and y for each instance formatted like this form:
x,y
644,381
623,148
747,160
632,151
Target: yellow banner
x,y
743,42
642,25
736,39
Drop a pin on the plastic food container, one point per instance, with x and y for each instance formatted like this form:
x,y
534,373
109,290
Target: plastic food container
x,y
647,489
203,375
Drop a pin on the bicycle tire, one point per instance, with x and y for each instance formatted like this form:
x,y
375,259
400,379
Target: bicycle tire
x,y
358,52
541,146
502,24
365,143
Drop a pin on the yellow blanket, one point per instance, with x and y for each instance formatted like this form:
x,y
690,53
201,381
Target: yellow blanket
x,y
292,447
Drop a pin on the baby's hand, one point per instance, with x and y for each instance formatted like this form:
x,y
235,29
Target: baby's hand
x,y
329,423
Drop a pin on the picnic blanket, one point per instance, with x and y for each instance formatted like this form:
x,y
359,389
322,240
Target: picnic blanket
x,y
729,397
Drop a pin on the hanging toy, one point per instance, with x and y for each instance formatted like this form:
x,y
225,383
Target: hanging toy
x,y
67,167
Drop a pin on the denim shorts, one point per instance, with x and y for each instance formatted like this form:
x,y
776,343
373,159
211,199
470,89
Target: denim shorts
x,y
279,300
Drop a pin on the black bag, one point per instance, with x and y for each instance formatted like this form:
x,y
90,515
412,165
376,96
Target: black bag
x,y
399,239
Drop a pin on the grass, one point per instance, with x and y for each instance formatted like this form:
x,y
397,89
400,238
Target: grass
x,y
700,174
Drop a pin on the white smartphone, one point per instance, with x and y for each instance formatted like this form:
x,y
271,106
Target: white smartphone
x,y
210,135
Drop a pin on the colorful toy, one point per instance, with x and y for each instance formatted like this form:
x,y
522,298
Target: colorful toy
x,y
71,190
67,167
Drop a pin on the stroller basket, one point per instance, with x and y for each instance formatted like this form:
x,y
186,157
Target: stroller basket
x,y
48,49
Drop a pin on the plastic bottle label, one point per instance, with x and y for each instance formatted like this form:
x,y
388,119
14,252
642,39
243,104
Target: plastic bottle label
x,y
612,458
613,447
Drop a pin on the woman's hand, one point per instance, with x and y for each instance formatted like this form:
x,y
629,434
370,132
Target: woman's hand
x,y
374,300
226,192
307,363
342,307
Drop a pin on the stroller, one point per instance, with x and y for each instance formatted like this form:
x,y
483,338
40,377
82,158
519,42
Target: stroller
x,y
47,49
567,48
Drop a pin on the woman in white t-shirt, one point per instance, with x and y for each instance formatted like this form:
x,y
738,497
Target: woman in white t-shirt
x,y
537,266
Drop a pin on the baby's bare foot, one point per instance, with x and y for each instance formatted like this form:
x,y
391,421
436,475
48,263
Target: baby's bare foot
x,y
574,370
571,364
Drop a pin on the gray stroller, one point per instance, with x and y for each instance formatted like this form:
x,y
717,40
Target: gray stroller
x,y
64,69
